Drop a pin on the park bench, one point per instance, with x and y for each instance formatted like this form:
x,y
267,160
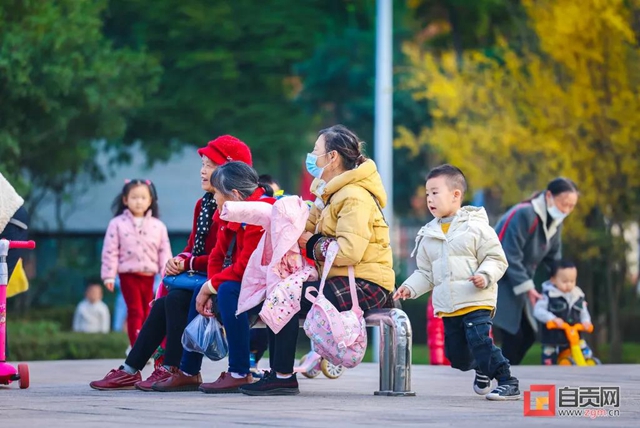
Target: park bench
x,y
395,349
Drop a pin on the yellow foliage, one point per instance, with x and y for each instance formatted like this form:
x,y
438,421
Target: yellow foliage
x,y
573,109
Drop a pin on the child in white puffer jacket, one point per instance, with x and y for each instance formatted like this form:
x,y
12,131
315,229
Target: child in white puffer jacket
x,y
461,259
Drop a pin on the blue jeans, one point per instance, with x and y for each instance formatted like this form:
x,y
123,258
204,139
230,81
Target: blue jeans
x,y
468,346
191,362
236,327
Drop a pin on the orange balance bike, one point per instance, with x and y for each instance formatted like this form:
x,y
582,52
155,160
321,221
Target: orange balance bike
x,y
573,355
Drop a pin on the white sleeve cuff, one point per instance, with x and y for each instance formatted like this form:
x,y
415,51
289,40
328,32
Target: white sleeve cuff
x,y
524,287
210,287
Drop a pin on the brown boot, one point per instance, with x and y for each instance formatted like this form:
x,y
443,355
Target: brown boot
x,y
178,382
226,384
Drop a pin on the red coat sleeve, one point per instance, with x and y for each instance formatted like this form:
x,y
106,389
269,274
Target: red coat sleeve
x,y
246,245
216,257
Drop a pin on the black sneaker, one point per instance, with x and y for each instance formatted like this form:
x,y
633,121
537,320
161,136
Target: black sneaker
x,y
481,384
506,390
270,384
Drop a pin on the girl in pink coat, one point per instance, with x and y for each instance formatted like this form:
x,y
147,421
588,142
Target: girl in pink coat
x,y
136,247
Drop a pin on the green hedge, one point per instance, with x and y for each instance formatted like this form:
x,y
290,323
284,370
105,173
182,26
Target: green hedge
x,y
44,340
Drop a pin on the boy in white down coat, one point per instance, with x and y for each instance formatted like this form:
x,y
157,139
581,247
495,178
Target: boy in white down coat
x,y
461,259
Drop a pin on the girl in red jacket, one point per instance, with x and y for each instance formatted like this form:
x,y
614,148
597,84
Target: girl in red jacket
x,y
233,181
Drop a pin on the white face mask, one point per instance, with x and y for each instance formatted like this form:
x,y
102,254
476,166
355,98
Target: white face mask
x,y
555,213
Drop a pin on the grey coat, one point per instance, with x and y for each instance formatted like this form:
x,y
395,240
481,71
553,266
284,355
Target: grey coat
x,y
527,240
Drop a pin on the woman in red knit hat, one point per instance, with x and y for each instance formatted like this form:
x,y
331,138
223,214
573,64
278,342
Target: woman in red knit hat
x,y
170,314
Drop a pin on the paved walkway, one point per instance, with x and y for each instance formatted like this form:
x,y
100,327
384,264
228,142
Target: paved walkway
x,y
60,396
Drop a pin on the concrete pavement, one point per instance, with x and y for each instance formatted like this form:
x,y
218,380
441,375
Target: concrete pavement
x,y
60,396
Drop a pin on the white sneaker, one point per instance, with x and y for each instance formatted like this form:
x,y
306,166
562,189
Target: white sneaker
x,y
507,390
481,384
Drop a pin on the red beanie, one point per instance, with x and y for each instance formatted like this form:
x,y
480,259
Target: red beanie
x,y
226,149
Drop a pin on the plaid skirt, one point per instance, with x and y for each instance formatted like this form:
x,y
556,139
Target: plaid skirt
x,y
336,290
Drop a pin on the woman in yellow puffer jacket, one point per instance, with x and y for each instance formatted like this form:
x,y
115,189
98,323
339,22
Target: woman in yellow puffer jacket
x,y
348,209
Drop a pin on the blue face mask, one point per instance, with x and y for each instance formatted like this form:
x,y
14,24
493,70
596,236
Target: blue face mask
x,y
555,212
312,165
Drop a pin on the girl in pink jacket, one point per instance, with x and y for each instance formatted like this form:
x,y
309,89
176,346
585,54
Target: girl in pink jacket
x,y
136,247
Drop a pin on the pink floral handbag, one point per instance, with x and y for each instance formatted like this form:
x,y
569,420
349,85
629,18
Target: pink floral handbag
x,y
340,337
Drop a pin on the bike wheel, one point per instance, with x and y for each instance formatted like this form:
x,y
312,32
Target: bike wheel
x,y
330,370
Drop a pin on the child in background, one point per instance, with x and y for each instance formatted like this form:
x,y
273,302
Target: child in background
x,y
136,248
562,302
92,314
460,258
271,182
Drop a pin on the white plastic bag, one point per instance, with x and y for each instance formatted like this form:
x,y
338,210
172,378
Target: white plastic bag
x,y
206,336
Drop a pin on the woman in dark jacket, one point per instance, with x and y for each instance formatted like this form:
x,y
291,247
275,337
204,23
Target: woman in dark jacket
x,y
530,233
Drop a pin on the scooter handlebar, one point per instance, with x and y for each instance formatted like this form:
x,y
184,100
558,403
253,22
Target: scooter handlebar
x,y
24,245
577,327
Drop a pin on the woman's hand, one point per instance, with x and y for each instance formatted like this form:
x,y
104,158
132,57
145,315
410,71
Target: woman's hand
x,y
534,296
174,266
304,238
203,300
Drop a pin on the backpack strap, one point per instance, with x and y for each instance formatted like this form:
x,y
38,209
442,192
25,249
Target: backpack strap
x,y
355,307
332,252
518,207
374,199
228,258
379,207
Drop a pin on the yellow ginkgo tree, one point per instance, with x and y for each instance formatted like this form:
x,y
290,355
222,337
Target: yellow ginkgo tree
x,y
568,106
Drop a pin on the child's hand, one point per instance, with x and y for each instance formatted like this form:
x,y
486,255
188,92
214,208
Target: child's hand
x,y
587,326
203,300
304,238
478,281
559,322
109,285
402,293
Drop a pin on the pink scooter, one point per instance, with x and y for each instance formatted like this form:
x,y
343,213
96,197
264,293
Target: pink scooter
x,y
8,373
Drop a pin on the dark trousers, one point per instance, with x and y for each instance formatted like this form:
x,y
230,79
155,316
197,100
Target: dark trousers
x,y
516,346
191,362
168,317
236,326
468,346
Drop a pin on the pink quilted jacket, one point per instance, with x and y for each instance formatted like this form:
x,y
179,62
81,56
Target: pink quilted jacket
x,y
276,269
128,249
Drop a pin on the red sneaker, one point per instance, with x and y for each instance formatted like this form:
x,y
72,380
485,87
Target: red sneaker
x,y
159,374
116,380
